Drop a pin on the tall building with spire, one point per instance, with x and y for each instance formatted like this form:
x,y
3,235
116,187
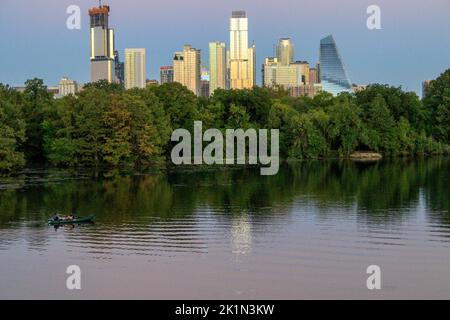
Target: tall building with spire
x,y
332,74
102,45
241,57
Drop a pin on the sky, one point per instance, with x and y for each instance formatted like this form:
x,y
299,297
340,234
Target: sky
x,y
413,44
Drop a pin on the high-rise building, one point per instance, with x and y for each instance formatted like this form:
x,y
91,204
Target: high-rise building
x,y
166,74
120,69
285,51
217,66
187,68
67,86
135,68
283,71
333,76
102,45
241,57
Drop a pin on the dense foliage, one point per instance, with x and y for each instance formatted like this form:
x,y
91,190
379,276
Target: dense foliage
x,y
105,125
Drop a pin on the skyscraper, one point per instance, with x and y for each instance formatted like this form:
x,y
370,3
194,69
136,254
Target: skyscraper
x,y
102,45
285,51
332,72
283,71
241,64
217,66
135,68
187,68
166,74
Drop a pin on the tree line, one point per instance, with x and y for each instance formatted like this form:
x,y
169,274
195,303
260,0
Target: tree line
x,y
107,126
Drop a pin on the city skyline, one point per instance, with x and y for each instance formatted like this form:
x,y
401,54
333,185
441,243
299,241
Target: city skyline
x,y
387,56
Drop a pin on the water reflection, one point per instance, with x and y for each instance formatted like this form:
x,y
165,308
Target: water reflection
x,y
311,218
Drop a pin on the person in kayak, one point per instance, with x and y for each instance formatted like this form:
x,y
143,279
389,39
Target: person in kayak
x,y
56,217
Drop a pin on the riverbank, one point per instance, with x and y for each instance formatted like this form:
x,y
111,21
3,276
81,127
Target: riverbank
x,y
106,125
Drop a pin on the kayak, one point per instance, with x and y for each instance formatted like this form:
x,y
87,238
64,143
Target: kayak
x,y
77,220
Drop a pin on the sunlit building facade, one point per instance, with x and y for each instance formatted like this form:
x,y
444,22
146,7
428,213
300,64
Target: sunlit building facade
x,y
67,86
217,66
187,68
333,76
241,57
135,68
285,51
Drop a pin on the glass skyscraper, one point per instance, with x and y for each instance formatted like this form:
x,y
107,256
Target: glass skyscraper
x,y
333,76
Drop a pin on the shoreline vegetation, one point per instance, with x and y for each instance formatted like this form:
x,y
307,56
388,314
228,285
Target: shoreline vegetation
x,y
107,126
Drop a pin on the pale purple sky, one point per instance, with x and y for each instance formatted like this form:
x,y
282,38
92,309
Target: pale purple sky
x,y
413,45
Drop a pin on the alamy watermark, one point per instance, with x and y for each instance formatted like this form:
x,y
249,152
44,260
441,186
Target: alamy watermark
x,y
73,22
235,139
374,20
73,281
374,280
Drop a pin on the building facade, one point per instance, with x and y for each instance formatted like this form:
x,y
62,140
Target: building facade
x,y
285,51
135,68
282,71
102,45
187,68
333,75
217,66
308,90
241,58
67,86
166,74
314,76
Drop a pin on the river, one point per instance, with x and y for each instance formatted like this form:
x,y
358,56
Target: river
x,y
309,232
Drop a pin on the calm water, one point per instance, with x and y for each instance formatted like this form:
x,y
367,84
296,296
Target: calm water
x,y
309,232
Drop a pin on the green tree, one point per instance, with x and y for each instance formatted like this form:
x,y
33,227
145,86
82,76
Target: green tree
x,y
37,101
437,101
12,131
180,104
345,125
380,127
